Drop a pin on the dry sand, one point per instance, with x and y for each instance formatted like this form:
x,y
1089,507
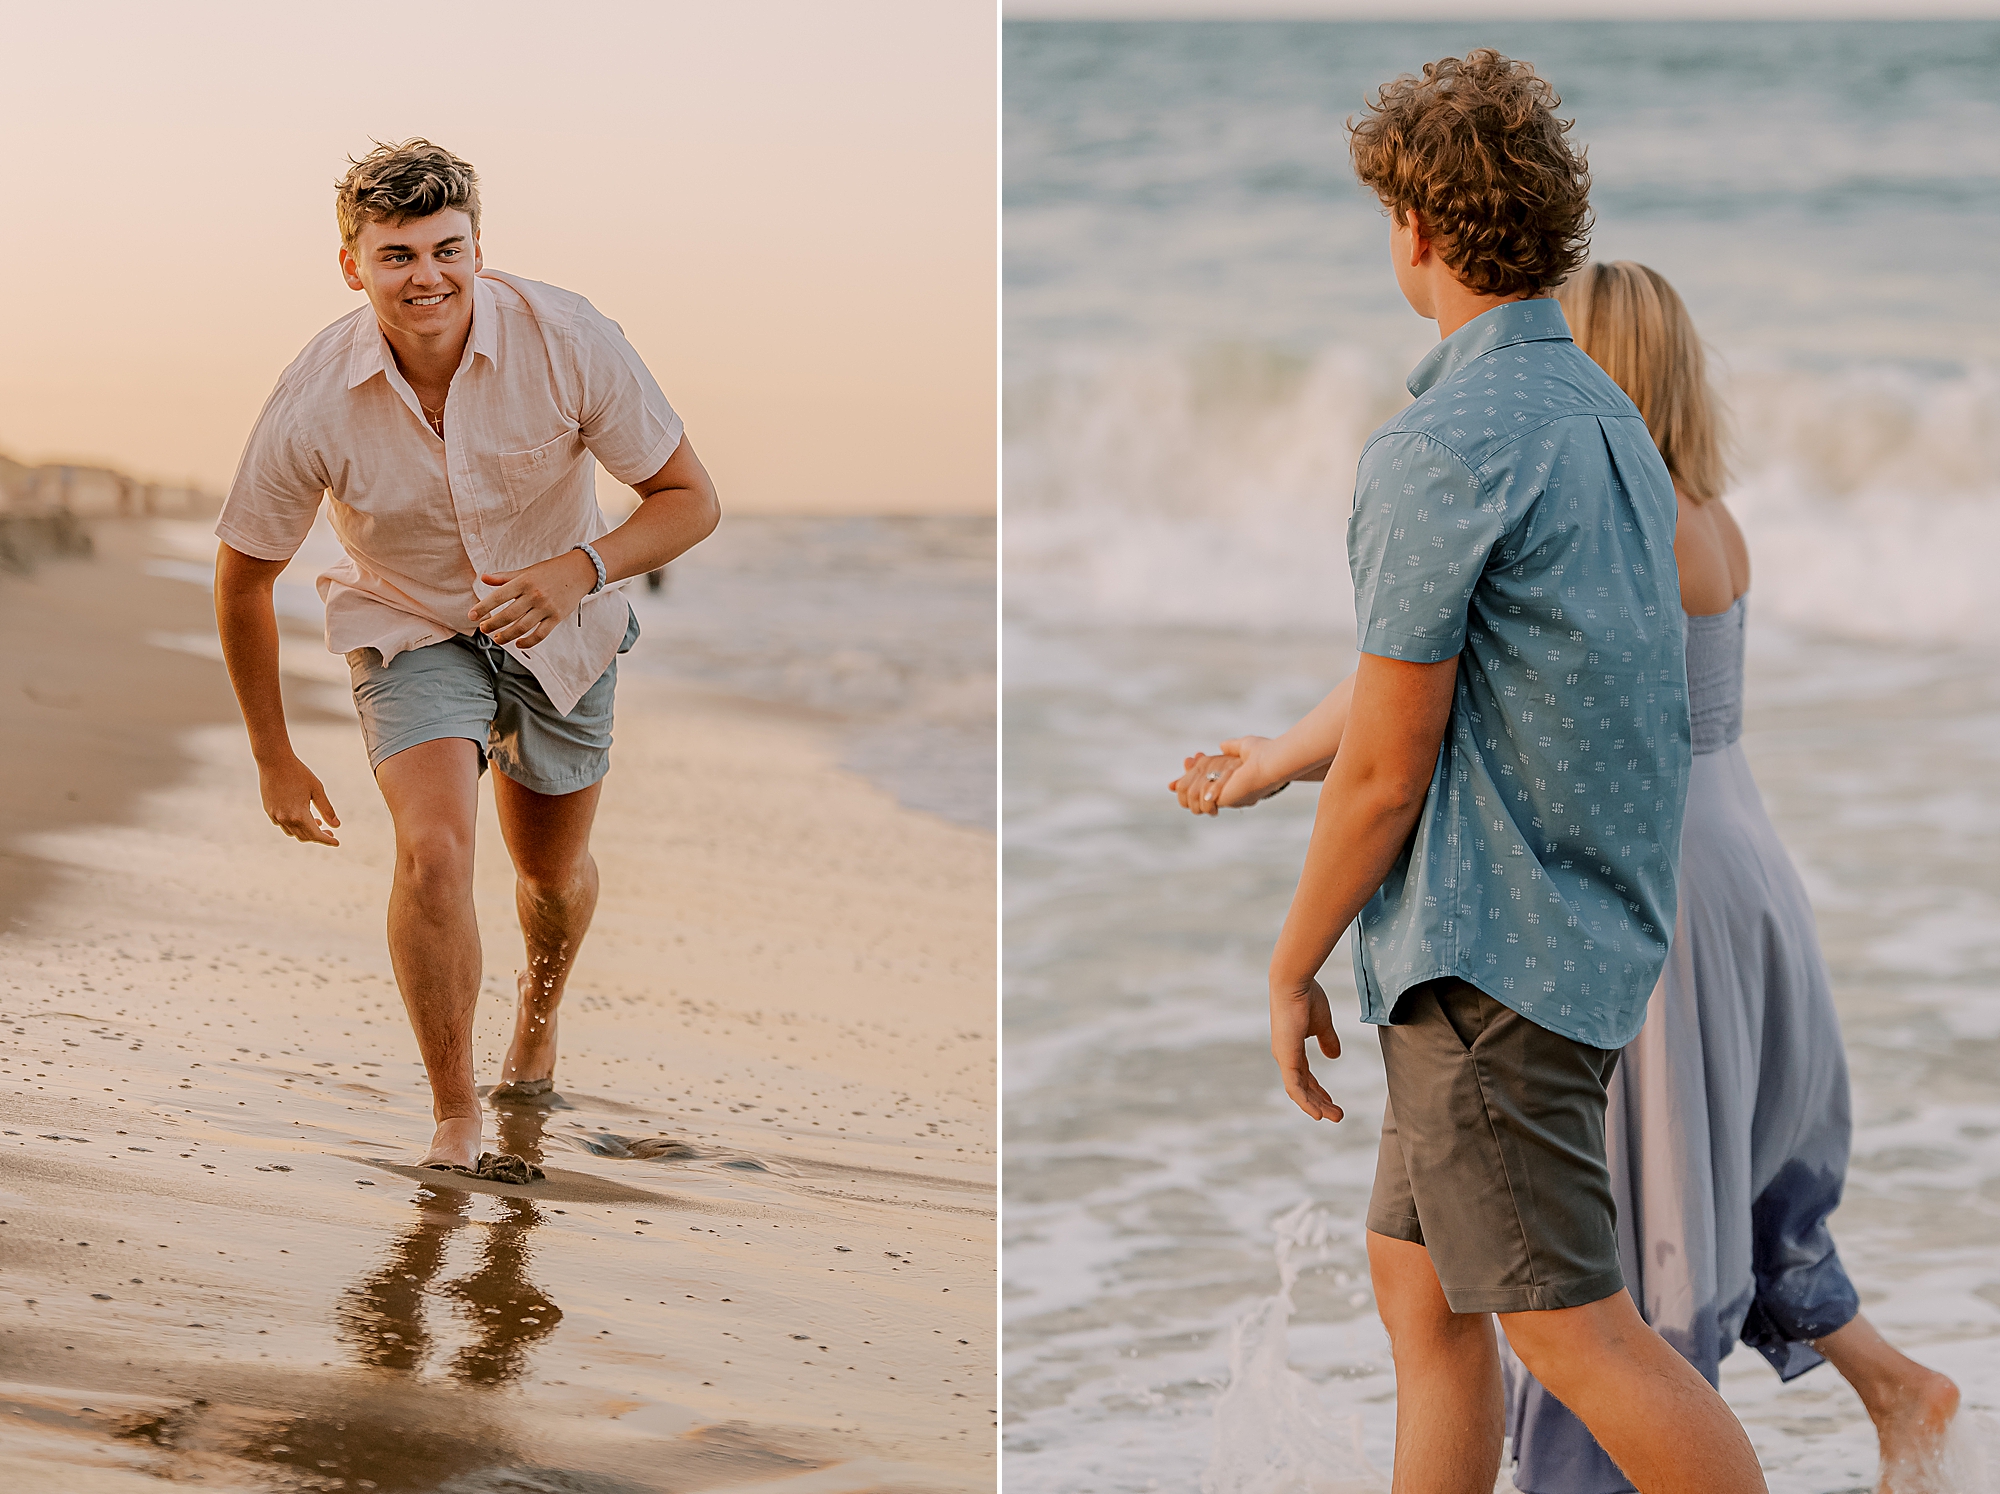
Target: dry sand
x,y
763,1256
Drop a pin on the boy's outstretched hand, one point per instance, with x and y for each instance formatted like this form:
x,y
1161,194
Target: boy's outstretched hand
x,y
1297,1013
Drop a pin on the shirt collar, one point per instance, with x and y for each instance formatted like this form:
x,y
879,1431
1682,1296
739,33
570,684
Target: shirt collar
x,y
369,353
485,339
1539,320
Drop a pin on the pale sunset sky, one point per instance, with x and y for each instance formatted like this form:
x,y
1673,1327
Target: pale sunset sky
x,y
789,205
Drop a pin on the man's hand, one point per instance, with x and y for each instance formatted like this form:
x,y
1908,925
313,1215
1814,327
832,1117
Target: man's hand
x,y
528,604
291,794
1299,1011
1234,778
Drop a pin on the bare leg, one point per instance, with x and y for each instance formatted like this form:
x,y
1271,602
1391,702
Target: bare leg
x,y
432,791
555,893
1911,1406
1450,1406
1662,1424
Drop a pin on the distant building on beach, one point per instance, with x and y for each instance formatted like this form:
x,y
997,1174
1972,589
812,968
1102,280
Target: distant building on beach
x,y
95,492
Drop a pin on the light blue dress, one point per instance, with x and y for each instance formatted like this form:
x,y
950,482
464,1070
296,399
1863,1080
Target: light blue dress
x,y
1729,1121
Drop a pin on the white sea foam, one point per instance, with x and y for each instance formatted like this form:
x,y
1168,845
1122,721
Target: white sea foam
x,y
1211,488
1872,500
1151,487
1275,1433
1972,1455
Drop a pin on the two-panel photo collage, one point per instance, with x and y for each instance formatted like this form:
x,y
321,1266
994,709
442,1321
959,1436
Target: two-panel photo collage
x,y
954,746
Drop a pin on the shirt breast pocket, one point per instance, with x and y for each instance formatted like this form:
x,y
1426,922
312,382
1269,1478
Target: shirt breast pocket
x,y
526,475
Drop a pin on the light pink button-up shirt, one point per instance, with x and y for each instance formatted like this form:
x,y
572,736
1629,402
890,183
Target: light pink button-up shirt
x,y
546,383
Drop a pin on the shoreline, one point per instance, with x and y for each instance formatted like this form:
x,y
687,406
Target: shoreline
x,y
79,666
765,1249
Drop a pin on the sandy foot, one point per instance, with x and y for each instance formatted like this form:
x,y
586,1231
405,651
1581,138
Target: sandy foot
x,y
499,1167
1913,1437
455,1144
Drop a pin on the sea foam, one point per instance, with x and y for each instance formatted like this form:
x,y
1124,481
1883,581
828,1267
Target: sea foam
x,y
1211,488
1275,1433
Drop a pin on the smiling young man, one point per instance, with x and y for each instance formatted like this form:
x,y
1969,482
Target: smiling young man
x,y
451,425
1504,779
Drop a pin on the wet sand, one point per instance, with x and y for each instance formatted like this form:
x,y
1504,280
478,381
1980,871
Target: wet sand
x,y
763,1254
76,662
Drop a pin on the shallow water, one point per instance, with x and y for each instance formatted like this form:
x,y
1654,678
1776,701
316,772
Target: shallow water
x,y
888,624
1150,1148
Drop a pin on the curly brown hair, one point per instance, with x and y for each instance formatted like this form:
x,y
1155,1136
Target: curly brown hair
x,y
1474,147
395,183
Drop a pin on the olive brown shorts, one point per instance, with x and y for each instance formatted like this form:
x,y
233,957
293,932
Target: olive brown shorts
x,y
1492,1153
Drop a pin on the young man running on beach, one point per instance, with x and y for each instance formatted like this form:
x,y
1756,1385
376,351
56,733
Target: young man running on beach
x,y
1504,779
451,424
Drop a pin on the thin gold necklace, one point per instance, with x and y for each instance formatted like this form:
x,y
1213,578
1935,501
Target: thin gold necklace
x,y
435,417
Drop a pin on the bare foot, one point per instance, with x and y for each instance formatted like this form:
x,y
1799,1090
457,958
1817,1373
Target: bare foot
x,y
531,1057
455,1144
1912,1430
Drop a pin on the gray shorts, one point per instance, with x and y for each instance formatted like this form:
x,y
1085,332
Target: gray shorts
x,y
468,687
1492,1153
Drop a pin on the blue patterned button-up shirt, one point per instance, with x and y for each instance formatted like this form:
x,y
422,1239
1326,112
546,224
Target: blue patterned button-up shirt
x,y
1518,516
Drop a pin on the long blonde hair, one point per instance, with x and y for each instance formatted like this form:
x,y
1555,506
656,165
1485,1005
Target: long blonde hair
x,y
1633,326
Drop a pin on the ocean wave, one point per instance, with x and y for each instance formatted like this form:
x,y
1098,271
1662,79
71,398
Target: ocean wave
x,y
1211,488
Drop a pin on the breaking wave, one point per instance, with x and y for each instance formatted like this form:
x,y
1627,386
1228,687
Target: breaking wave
x,y
1157,488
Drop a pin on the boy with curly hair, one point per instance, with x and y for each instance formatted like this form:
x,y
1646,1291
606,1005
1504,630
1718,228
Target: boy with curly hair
x,y
1504,779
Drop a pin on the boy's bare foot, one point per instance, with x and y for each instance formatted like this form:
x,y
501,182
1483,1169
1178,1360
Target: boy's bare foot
x,y
530,1065
1912,1428
455,1144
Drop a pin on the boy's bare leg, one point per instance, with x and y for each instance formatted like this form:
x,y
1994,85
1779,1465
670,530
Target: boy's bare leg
x,y
1661,1422
1450,1407
1911,1406
432,791
555,893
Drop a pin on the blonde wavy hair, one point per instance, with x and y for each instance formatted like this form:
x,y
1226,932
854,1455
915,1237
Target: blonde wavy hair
x,y
1633,326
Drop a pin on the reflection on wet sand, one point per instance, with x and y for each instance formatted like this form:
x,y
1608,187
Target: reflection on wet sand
x,y
523,1125
382,1319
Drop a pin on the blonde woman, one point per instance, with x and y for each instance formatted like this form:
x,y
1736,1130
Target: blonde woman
x,y
1729,1121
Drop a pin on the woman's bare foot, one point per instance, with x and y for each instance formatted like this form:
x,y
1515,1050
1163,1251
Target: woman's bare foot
x,y
1912,1429
455,1143
530,1066
1911,1405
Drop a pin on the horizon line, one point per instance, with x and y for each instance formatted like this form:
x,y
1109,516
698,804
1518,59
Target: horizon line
x,y
1470,10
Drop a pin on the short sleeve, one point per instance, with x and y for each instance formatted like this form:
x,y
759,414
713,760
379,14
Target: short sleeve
x,y
626,421
276,492
1417,543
